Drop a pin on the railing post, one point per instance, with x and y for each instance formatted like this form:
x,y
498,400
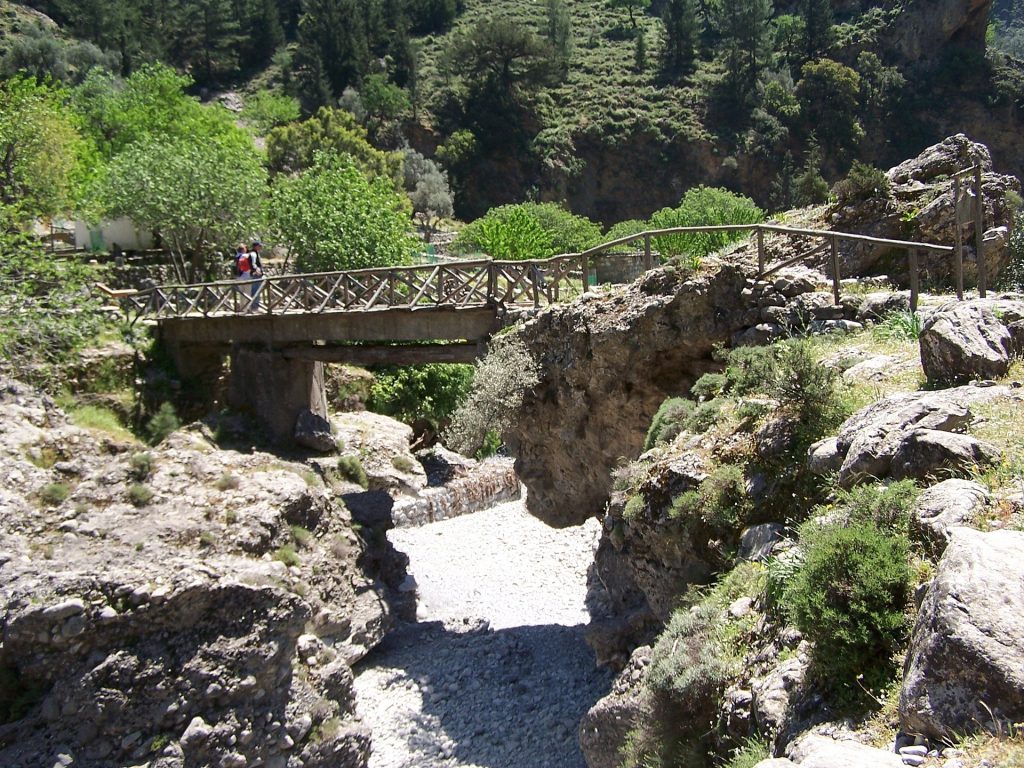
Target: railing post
x,y
835,268
979,231
583,272
959,259
913,280
760,253
648,261
492,282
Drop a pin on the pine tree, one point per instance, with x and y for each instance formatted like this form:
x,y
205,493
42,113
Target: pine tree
x,y
818,27
746,36
679,21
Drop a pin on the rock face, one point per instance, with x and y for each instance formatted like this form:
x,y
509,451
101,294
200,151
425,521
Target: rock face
x,y
943,506
182,605
919,206
965,667
969,340
816,751
608,361
605,728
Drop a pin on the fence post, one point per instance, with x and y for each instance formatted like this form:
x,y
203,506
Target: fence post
x,y
648,262
492,282
979,231
959,261
835,268
760,253
583,271
913,280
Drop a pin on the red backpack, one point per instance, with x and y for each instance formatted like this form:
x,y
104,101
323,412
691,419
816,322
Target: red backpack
x,y
244,264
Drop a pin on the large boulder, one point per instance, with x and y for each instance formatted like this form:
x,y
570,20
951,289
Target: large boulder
x,y
895,436
605,729
969,340
965,667
814,750
945,506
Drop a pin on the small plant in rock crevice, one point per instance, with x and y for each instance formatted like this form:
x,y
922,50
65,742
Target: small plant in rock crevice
x,y
351,468
140,495
54,494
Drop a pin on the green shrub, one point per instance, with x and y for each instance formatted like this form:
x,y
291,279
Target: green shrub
x,y
403,463
163,423
420,395
861,183
887,506
704,416
721,500
703,206
635,506
287,555
227,482
898,326
849,596
709,386
140,495
141,465
668,421
53,494
506,233
500,383
752,752
351,468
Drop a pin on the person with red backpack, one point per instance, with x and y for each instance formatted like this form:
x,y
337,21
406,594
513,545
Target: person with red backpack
x,y
255,265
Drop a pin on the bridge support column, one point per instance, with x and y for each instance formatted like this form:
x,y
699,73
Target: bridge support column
x,y
276,389
201,369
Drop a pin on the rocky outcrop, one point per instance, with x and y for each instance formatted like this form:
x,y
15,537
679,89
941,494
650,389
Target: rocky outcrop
x,y
970,340
608,361
818,751
909,435
919,206
944,506
605,728
965,666
180,605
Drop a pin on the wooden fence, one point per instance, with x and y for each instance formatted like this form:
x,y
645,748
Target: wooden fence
x,y
462,284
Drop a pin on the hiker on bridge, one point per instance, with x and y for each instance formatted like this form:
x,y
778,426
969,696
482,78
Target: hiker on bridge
x,y
255,274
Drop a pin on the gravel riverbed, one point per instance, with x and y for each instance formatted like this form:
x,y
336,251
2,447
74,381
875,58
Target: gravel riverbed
x,y
496,673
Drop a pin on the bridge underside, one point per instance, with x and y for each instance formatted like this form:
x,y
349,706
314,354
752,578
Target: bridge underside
x,y
276,361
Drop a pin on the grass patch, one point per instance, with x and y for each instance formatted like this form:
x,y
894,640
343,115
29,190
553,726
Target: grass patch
x,y
44,456
141,465
54,494
97,419
403,463
302,536
351,469
227,482
287,555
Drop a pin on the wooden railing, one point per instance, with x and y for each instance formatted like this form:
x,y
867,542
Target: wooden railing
x,y
463,284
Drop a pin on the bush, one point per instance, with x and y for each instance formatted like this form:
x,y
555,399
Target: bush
x,y
507,233
351,468
668,421
886,506
849,596
163,423
721,501
500,383
287,555
53,494
703,206
861,183
139,495
302,536
141,465
423,396
227,482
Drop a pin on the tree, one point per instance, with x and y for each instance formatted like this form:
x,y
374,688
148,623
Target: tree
x,y
744,27
199,194
40,149
292,147
427,187
212,32
630,6
332,216
499,53
559,34
508,232
703,206
828,93
818,27
334,32
383,101
640,53
679,21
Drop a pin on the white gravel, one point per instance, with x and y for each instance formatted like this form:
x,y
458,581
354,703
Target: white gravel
x,y
496,674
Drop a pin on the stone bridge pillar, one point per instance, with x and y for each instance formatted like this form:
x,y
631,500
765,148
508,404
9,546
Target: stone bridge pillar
x,y
275,389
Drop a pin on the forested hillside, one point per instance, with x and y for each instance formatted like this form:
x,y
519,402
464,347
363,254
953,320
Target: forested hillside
x,y
613,106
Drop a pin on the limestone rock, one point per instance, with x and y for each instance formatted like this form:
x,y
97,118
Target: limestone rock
x,y
965,666
383,447
608,361
605,728
945,505
774,693
314,432
965,340
758,541
928,453
817,751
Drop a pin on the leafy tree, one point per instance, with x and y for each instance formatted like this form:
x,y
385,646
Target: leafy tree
x,y
267,110
703,206
150,104
501,54
790,38
679,21
334,217
508,232
809,186
423,396
199,194
40,149
828,93
630,6
427,187
292,147
569,233
383,101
